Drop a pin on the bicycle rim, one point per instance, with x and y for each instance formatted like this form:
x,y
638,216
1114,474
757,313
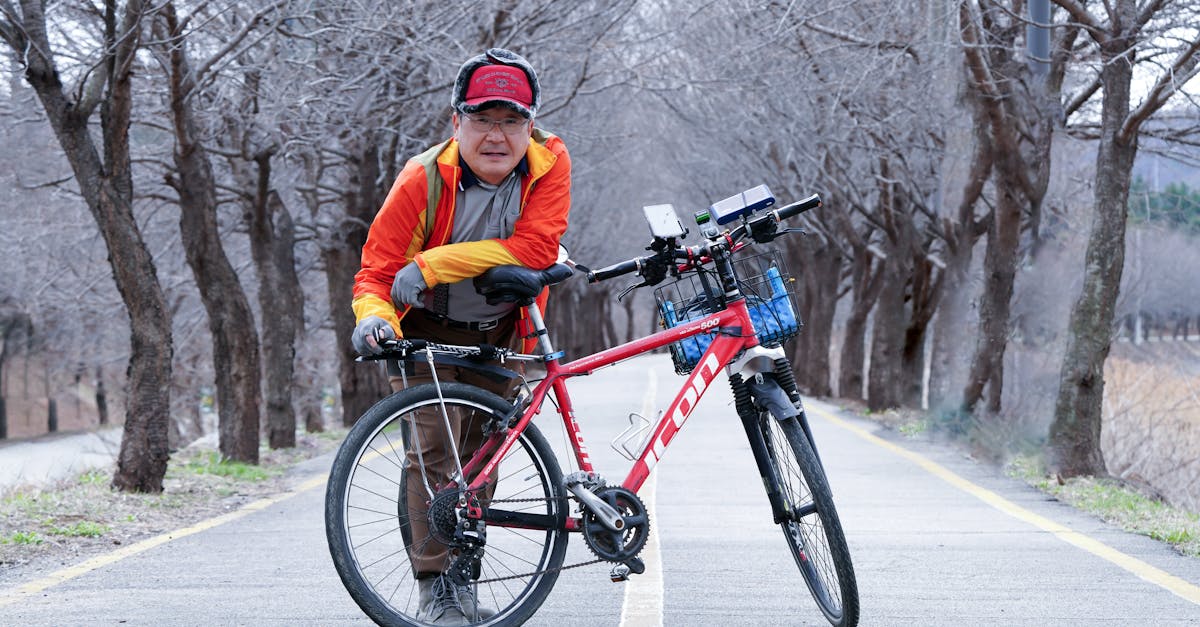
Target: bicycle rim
x,y
814,532
368,522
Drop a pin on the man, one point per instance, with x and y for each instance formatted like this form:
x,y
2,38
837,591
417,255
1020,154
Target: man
x,y
499,193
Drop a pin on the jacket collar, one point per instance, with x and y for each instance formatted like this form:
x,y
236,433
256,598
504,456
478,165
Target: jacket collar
x,y
537,161
469,179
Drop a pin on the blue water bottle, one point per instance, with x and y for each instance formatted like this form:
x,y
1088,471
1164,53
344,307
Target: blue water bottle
x,y
668,309
780,303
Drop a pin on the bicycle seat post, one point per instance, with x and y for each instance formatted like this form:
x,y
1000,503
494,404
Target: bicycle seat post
x,y
539,328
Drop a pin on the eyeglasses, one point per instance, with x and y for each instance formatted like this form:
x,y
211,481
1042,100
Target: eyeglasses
x,y
508,126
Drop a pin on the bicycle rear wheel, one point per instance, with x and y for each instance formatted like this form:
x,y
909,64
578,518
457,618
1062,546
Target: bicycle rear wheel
x,y
813,530
369,525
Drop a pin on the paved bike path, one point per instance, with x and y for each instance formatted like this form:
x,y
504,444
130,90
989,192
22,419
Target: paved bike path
x,y
927,551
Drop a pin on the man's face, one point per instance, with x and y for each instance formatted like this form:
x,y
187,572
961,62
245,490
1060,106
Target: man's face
x,y
492,141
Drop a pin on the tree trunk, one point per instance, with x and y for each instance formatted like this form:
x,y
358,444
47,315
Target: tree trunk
x,y
821,270
999,268
867,280
107,187
885,380
924,296
230,320
272,246
312,418
1075,432
101,398
960,234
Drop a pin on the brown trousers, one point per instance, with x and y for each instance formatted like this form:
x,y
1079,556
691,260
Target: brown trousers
x,y
430,557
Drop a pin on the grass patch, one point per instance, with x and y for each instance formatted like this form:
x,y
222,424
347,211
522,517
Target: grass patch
x,y
212,464
914,428
1117,504
27,538
81,529
95,477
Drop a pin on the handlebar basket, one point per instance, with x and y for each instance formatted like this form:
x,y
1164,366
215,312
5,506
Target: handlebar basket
x,y
770,298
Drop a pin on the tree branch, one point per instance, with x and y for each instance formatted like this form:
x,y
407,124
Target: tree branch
x,y
1084,19
1181,71
859,41
200,72
1081,97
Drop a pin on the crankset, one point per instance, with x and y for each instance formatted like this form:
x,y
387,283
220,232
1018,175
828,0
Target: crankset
x,y
623,544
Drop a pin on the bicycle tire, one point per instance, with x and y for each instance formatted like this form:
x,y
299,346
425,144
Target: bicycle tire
x,y
813,531
367,528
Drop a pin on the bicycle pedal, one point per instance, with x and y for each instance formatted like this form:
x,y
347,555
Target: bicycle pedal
x,y
619,574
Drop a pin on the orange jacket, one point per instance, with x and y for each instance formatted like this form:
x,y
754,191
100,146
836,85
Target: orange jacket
x,y
398,234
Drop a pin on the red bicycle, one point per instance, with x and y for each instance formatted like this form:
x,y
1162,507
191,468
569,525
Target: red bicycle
x,y
507,513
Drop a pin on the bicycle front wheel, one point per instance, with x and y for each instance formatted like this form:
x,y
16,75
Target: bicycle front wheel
x,y
812,529
375,535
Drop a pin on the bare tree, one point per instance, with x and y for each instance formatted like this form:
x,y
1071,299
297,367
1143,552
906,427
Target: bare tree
x,y
960,230
250,140
231,322
1016,108
103,175
1126,33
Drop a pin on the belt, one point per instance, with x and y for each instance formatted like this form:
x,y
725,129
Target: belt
x,y
485,325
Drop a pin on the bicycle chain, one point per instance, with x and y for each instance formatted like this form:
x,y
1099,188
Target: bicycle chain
x,y
537,572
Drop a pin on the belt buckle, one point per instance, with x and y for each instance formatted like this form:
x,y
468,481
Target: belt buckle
x,y
488,325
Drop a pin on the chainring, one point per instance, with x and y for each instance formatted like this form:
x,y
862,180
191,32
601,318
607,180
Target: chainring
x,y
618,546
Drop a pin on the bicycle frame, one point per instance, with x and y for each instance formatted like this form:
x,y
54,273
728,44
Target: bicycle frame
x,y
734,332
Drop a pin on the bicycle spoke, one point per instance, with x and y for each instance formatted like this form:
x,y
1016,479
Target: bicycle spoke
x,y
371,504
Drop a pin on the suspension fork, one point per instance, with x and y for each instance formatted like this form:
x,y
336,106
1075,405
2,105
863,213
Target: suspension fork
x,y
780,509
787,381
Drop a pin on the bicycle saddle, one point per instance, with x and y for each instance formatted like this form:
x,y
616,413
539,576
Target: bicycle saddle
x,y
517,284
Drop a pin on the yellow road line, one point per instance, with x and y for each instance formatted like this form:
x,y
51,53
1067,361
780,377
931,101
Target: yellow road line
x,y
37,586
1180,587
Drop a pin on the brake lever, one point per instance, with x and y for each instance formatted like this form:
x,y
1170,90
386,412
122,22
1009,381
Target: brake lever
x,y
625,292
780,233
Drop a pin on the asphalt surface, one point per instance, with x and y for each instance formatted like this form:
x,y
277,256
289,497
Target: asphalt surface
x,y
936,540
50,458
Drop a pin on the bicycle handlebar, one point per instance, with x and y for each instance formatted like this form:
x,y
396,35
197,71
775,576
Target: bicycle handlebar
x,y
797,208
615,270
700,254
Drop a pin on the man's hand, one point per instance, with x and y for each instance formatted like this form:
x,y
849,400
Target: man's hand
x,y
369,333
407,287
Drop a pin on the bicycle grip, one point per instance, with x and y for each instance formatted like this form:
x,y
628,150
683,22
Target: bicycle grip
x,y
798,207
617,269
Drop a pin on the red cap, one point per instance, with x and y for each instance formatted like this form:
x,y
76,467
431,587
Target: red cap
x,y
499,82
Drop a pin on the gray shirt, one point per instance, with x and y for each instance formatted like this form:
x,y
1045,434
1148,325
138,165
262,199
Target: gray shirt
x,y
481,211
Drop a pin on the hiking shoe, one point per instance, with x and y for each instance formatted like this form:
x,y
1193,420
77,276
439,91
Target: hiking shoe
x,y
440,603
468,600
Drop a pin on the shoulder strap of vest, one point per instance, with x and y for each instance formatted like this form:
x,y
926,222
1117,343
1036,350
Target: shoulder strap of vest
x,y
433,177
433,183
541,136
